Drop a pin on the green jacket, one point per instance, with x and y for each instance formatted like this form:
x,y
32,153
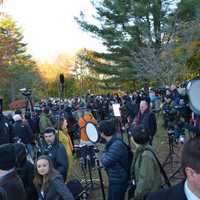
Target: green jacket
x,y
44,122
145,172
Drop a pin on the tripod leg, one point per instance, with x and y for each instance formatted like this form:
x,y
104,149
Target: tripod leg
x,y
101,179
175,173
90,171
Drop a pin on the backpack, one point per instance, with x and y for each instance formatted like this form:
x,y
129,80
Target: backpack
x,y
130,160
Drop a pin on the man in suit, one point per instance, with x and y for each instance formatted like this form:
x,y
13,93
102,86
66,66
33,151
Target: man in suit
x,y
188,189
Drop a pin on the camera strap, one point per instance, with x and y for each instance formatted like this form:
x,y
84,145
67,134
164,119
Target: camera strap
x,y
166,179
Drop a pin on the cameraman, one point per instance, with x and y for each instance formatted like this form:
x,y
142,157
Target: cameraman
x,y
168,111
113,159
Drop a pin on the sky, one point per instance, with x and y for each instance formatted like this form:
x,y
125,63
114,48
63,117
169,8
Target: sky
x,y
49,28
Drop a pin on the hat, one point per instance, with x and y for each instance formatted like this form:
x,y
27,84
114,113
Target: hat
x,y
17,117
7,156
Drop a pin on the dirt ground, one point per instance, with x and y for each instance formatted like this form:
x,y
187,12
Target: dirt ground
x,y
161,145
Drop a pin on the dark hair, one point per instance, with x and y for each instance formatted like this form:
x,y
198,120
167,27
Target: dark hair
x,y
107,127
50,130
191,154
60,123
20,152
38,179
140,135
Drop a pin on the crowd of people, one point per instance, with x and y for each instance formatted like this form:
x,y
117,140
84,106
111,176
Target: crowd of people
x,y
37,149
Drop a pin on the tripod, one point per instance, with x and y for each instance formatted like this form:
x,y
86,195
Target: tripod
x,y
170,157
88,159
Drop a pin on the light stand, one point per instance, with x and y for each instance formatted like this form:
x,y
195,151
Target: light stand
x,y
61,91
100,178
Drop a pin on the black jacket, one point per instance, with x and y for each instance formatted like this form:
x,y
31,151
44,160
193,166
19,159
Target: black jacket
x,y
115,153
13,186
26,173
57,190
174,193
58,155
23,131
148,121
5,136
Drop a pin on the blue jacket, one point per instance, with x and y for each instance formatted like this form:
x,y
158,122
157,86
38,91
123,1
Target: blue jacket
x,y
115,153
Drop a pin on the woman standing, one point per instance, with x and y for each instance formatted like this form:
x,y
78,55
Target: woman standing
x,y
65,139
48,182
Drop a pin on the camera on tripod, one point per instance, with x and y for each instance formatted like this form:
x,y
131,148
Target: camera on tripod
x,y
26,92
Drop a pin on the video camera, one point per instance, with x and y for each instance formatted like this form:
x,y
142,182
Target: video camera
x,y
26,92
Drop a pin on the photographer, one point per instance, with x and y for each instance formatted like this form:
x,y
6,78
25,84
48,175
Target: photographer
x,y
114,159
168,111
145,169
22,131
189,188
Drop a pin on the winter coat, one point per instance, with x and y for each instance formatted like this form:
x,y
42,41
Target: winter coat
x,y
26,173
57,190
5,136
65,139
148,121
44,122
13,186
174,193
58,155
145,172
23,131
115,153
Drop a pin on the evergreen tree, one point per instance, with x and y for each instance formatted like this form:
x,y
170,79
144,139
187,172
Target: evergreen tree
x,y
18,70
133,32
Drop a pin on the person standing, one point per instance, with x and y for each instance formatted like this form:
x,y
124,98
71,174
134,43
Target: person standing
x,y
65,139
145,166
146,119
56,151
48,182
115,160
9,181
